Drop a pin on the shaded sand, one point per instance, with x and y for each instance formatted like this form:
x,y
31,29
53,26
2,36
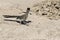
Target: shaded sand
x,y
40,28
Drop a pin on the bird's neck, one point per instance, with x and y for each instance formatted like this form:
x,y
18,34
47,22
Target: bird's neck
x,y
27,11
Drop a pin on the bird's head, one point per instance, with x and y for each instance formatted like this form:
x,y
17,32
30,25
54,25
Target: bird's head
x,y
28,9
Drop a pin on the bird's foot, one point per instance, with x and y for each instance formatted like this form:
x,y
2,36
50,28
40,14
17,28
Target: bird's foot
x,y
28,21
25,22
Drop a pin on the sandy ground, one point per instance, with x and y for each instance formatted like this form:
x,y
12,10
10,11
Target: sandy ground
x,y
40,28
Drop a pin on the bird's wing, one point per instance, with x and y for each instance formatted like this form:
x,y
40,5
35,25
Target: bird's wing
x,y
23,13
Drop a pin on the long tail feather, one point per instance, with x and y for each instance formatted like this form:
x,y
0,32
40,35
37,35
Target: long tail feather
x,y
9,16
9,20
12,20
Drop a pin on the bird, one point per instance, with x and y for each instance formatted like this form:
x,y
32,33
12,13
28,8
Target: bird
x,y
22,18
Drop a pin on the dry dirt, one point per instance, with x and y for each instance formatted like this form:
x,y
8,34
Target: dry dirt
x,y
40,28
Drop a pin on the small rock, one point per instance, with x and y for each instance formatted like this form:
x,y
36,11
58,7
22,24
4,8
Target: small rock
x,y
44,14
37,10
57,7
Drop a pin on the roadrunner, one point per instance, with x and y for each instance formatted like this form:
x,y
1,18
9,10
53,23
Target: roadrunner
x,y
22,18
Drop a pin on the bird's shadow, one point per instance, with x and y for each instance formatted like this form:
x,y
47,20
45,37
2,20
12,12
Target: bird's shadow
x,y
17,21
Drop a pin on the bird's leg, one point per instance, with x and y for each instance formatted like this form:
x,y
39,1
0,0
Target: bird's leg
x,y
28,21
18,20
